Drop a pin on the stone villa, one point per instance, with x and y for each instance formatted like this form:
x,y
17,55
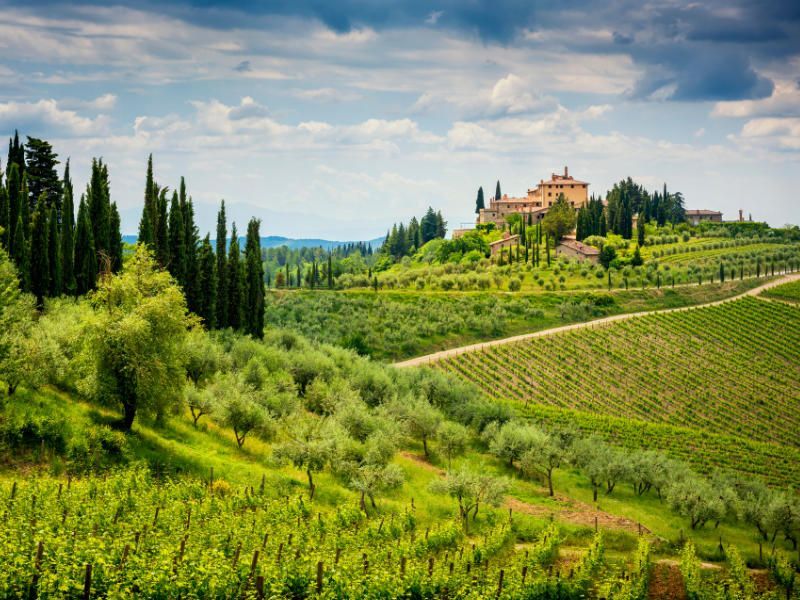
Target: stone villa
x,y
538,200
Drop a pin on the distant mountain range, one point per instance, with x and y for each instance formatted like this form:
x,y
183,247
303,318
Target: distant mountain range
x,y
274,241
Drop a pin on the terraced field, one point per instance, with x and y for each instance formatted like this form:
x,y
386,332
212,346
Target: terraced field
x,y
728,370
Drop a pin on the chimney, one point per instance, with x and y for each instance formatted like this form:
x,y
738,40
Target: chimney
x,y
741,215
566,172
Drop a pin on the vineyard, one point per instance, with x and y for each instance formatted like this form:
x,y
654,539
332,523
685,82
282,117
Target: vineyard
x,y
787,291
729,370
130,535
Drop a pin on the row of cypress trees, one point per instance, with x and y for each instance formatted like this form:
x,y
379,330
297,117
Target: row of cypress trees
x,y
224,288
54,252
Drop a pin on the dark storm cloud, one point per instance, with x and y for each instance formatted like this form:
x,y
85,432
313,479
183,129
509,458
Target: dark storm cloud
x,y
688,51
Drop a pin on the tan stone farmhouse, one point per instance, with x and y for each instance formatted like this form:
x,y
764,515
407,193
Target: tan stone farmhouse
x,y
538,200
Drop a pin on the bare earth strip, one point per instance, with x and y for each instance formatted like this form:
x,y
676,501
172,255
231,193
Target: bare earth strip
x,y
436,356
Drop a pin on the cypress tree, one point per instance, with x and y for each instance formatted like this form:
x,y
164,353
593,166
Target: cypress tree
x,y
191,239
254,311
25,205
85,258
39,252
54,253
177,245
115,239
40,167
21,254
207,274
67,239
4,216
14,193
479,204
234,274
441,225
330,271
640,230
222,270
147,224
497,192
162,232
98,204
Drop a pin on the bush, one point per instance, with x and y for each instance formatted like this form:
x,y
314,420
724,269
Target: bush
x,y
98,447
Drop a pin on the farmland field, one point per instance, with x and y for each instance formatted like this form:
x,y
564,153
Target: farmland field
x,y
787,291
728,370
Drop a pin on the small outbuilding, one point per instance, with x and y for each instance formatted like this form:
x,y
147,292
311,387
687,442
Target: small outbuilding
x,y
575,249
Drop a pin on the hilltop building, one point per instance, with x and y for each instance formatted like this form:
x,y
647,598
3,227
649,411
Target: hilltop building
x,y
507,241
697,216
538,200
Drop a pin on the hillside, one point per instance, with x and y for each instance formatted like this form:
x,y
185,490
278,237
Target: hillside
x,y
275,241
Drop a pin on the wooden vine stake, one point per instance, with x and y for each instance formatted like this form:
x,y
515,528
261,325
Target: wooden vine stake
x,y
37,569
260,587
319,577
500,583
87,582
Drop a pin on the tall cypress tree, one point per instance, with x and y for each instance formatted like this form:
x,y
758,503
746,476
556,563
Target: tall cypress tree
x,y
98,204
234,275
21,254
39,261
162,232
147,224
177,245
115,239
43,181
191,238
254,305
85,257
222,270
4,216
479,204
207,275
54,253
67,238
14,192
497,193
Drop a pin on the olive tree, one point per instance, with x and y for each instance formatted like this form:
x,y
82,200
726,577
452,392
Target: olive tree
x,y
310,445
137,336
471,490
510,441
452,440
420,419
240,409
201,402
543,454
696,499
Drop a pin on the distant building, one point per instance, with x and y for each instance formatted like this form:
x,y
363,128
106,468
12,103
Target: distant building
x,y
507,241
574,249
538,200
696,216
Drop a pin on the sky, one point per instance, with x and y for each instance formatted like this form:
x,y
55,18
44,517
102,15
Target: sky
x,y
335,119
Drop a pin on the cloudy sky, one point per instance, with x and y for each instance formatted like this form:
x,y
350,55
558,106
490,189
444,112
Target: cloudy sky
x,y
334,119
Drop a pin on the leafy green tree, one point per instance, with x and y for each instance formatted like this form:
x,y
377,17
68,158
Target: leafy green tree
x,y
543,455
696,499
254,283
5,227
311,445
201,402
85,257
510,441
235,284
162,230
640,231
419,418
471,490
192,287
16,321
241,410
607,255
371,479
22,254
40,264
560,219
222,268
15,196
428,226
137,338
636,259
452,440
203,357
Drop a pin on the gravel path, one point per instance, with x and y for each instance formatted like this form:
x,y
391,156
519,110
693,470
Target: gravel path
x,y
429,358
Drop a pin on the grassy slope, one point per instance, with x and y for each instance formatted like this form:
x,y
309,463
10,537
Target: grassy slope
x,y
395,325
176,447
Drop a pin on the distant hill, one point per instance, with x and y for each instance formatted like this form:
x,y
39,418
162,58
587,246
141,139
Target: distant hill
x,y
274,241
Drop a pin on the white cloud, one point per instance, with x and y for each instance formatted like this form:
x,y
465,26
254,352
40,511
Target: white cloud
x,y
327,94
47,117
106,102
777,133
784,102
433,17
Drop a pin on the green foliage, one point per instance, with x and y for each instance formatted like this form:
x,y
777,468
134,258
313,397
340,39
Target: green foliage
x,y
560,219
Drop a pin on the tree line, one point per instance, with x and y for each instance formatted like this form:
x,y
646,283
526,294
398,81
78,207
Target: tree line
x,y
56,253
625,200
404,240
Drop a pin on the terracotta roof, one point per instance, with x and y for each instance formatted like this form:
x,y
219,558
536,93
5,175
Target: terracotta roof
x,y
510,238
561,181
579,247
702,211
